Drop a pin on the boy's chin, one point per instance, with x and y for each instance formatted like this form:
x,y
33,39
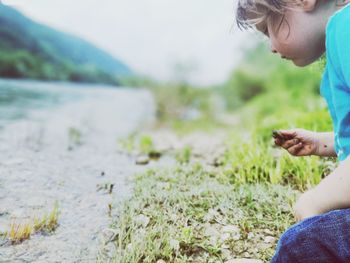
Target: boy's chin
x,y
299,64
303,62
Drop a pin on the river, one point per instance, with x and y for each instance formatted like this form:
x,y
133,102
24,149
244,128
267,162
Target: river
x,y
43,163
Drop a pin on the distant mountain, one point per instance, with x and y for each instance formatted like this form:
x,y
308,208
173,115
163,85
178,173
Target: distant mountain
x,y
32,50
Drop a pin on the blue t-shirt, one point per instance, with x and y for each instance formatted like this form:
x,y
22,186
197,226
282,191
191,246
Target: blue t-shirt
x,y
335,86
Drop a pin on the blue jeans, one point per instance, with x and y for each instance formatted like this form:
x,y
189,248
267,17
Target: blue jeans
x,y
320,239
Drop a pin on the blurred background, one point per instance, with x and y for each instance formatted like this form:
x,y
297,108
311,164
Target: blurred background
x,y
147,38
120,43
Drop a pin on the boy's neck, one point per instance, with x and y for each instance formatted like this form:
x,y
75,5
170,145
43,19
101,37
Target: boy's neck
x,y
328,8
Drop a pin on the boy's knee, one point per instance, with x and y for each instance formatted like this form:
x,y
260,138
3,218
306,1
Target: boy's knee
x,y
316,240
290,246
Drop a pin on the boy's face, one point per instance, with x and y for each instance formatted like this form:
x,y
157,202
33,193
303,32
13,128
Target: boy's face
x,y
299,36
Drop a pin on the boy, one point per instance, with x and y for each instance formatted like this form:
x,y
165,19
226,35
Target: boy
x,y
301,31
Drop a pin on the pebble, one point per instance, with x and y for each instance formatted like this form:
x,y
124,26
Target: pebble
x,y
142,220
109,235
269,239
142,160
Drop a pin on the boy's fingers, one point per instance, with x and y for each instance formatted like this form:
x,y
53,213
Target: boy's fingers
x,y
278,141
290,143
288,134
295,149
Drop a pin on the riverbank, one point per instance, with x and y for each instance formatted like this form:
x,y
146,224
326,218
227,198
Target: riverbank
x,y
67,155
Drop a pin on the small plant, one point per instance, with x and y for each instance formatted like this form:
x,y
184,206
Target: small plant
x,y
48,223
19,232
146,144
184,155
74,137
105,187
128,144
110,208
3,234
187,235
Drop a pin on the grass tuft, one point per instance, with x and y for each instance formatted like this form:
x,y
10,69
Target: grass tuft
x,y
48,223
19,232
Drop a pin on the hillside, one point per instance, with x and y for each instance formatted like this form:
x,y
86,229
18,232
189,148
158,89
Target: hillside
x,y
32,50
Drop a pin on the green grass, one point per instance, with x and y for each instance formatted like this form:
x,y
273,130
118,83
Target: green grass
x,y
189,214
146,144
184,155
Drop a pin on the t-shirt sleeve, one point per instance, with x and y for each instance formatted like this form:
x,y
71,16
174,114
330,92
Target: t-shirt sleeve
x,y
337,92
339,45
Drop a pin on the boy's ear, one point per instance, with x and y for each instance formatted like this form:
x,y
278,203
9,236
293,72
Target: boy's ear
x,y
308,5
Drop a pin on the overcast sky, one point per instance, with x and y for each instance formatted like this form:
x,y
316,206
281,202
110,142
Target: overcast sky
x,y
151,36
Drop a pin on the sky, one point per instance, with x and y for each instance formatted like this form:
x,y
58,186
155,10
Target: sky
x,y
152,37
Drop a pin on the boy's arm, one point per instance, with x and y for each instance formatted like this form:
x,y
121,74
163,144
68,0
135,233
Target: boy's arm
x,y
300,142
326,145
332,193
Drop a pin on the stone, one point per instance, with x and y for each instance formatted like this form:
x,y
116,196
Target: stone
x,y
142,220
109,235
142,160
211,230
269,239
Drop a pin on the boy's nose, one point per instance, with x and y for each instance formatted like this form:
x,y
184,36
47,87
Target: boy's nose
x,y
273,50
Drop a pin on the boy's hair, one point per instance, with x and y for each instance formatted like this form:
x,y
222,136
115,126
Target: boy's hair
x,y
252,12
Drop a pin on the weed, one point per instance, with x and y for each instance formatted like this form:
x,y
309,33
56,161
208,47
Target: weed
x,y
105,187
184,155
146,144
74,137
48,223
19,232
128,144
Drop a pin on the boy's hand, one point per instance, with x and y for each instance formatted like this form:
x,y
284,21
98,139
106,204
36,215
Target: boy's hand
x,y
297,142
